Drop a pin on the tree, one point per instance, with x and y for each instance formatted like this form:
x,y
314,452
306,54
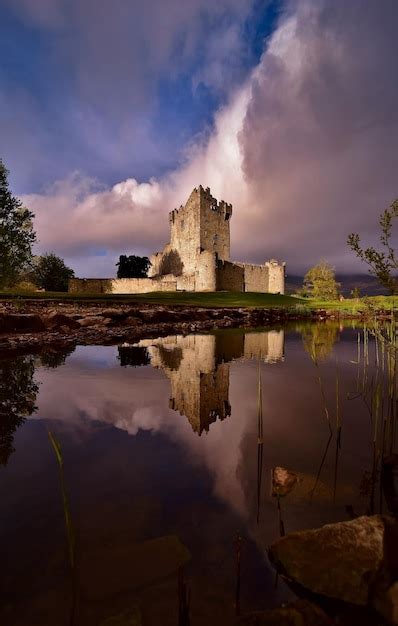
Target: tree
x,y
18,391
382,263
133,266
319,339
51,273
320,282
16,233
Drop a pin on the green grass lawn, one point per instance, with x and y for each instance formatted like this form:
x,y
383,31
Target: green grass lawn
x,y
352,305
213,299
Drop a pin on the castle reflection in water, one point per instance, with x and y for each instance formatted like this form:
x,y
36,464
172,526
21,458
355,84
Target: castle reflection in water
x,y
198,368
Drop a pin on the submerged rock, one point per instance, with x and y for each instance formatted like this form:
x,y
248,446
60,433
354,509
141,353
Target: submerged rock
x,y
283,481
122,567
299,613
340,560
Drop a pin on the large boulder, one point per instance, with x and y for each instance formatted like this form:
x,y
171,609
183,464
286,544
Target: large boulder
x,y
341,561
283,481
338,560
356,562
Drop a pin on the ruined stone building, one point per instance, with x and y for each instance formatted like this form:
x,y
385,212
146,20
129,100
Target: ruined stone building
x,y
197,257
198,367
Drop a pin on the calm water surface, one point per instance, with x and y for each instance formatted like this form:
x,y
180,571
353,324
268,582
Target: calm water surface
x,y
159,442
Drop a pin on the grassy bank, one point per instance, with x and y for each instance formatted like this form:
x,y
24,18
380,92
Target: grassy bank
x,y
214,299
353,305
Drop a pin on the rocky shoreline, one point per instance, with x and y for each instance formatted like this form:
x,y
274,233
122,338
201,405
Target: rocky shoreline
x,y
36,324
40,324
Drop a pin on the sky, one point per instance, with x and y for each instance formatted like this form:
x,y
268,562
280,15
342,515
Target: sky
x,y
111,112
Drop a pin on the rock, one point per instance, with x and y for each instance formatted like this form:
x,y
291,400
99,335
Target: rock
x,y
156,316
338,560
21,322
384,597
299,613
60,320
92,320
132,321
283,481
114,314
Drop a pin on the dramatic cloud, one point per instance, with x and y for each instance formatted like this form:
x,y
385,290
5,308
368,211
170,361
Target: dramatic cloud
x,y
319,136
305,150
91,227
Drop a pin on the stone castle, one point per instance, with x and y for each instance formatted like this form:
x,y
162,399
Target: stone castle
x,y
197,257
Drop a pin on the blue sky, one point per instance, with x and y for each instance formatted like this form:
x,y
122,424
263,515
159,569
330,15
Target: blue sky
x,y
51,95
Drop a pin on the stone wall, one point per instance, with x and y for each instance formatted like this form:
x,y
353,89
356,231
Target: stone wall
x,y
230,276
185,231
122,285
155,261
205,275
256,278
276,283
186,282
214,224
90,285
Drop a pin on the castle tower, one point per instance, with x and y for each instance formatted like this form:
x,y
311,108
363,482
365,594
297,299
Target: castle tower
x,y
201,225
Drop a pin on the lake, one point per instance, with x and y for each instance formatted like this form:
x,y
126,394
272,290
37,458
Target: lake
x,y
164,471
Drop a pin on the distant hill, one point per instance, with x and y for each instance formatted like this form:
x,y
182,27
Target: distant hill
x,y
368,285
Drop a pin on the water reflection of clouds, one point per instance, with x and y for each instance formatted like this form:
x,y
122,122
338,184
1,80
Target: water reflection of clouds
x,y
92,384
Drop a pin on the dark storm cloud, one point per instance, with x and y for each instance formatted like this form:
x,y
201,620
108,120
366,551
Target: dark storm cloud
x,y
320,134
